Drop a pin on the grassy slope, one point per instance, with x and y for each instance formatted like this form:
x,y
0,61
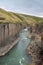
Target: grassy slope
x,y
18,18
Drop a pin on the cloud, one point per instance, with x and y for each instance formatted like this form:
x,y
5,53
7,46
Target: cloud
x,y
34,7
3,7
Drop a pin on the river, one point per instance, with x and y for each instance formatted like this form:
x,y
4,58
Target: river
x,y
18,54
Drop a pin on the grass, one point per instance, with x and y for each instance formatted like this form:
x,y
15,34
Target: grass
x,y
11,17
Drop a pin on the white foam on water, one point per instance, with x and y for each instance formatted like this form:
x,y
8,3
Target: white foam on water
x,y
21,61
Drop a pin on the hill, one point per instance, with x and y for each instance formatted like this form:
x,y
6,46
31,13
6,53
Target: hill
x,y
11,17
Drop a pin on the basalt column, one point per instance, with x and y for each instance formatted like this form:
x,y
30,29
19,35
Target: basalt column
x,y
6,32
2,35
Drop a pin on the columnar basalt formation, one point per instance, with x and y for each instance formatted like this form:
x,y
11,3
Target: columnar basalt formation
x,y
9,32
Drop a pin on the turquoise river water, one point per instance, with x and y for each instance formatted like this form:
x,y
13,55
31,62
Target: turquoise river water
x,y
18,55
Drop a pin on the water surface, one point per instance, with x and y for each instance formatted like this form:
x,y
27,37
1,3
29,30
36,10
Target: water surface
x,y
18,55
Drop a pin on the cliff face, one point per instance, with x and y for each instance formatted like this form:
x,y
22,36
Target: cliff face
x,y
9,36
39,28
35,49
7,31
36,28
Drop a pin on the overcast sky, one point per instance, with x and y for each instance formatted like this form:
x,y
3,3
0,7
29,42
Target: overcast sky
x,y
34,7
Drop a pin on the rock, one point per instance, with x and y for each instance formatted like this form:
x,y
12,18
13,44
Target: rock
x,y
35,49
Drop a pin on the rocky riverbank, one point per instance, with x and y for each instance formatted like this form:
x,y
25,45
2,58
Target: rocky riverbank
x,y
35,49
5,49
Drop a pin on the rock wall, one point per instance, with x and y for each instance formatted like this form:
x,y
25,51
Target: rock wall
x,y
36,28
35,49
7,31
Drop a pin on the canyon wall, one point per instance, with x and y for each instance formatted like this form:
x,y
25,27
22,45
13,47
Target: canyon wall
x,y
7,31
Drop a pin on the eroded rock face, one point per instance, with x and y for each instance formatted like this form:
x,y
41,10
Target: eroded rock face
x,y
35,49
36,28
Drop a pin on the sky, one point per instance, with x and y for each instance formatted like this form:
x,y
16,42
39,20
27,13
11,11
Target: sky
x,y
30,7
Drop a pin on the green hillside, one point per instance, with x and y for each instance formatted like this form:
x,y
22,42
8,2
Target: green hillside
x,y
11,17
